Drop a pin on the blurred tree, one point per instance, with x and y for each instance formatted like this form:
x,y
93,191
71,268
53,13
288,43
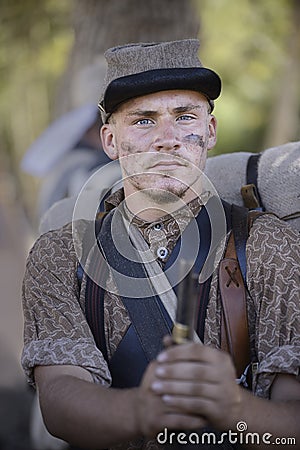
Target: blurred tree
x,y
248,44
284,124
34,42
100,24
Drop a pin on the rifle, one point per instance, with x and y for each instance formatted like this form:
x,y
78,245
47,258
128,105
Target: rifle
x,y
183,329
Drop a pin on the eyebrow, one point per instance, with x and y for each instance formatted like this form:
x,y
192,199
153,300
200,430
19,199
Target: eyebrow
x,y
151,113
186,108
141,113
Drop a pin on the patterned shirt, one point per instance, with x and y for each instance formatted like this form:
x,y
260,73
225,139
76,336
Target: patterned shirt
x,y
56,330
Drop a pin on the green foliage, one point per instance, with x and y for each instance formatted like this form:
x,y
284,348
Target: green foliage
x,y
34,44
246,42
35,38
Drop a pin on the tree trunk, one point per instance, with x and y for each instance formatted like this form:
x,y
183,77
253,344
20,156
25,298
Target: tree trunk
x,y
284,116
100,24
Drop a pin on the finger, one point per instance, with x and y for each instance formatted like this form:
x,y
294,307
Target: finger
x,y
193,371
183,388
201,406
192,352
211,406
168,341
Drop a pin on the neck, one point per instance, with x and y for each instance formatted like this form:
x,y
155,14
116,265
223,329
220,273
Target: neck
x,y
152,206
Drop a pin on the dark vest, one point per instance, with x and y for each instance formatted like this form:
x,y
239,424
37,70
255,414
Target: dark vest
x,y
147,314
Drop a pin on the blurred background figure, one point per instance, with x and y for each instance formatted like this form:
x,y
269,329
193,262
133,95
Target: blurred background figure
x,y
64,155
67,151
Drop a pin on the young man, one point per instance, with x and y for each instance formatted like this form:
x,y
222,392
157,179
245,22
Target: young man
x,y
157,112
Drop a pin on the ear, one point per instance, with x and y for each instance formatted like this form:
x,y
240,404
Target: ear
x,y
212,128
109,141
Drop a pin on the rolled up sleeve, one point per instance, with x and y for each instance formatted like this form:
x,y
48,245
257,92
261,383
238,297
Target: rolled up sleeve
x,y
55,329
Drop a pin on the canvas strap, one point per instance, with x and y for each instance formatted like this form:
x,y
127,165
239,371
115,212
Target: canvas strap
x,y
143,311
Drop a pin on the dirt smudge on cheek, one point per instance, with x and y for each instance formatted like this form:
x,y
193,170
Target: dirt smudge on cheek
x,y
194,139
128,148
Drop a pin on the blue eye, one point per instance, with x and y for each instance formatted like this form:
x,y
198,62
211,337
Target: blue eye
x,y
144,122
185,117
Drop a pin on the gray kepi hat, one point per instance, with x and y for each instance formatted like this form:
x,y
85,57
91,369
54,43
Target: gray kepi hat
x,y
140,69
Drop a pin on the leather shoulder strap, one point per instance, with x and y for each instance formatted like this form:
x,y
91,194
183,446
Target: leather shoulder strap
x,y
240,228
234,325
233,287
249,191
94,297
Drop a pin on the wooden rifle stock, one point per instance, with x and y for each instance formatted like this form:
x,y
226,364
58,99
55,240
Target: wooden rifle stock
x,y
183,329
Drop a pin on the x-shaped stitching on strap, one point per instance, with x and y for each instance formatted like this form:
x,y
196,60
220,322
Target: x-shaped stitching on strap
x,y
232,277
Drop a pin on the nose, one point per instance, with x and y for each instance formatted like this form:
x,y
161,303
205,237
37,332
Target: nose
x,y
166,138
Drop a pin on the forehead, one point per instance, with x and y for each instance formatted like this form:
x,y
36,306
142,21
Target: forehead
x,y
163,100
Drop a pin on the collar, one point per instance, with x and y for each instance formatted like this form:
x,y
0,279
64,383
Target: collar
x,y
186,213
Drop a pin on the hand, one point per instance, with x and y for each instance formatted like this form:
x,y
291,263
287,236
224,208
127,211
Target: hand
x,y
200,381
153,414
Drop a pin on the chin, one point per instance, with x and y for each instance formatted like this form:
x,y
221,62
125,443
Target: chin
x,y
165,192
160,188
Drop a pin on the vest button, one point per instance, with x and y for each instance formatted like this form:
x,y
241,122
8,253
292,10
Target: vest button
x,y
162,252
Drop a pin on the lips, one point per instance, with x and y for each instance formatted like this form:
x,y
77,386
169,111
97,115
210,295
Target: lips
x,y
167,164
